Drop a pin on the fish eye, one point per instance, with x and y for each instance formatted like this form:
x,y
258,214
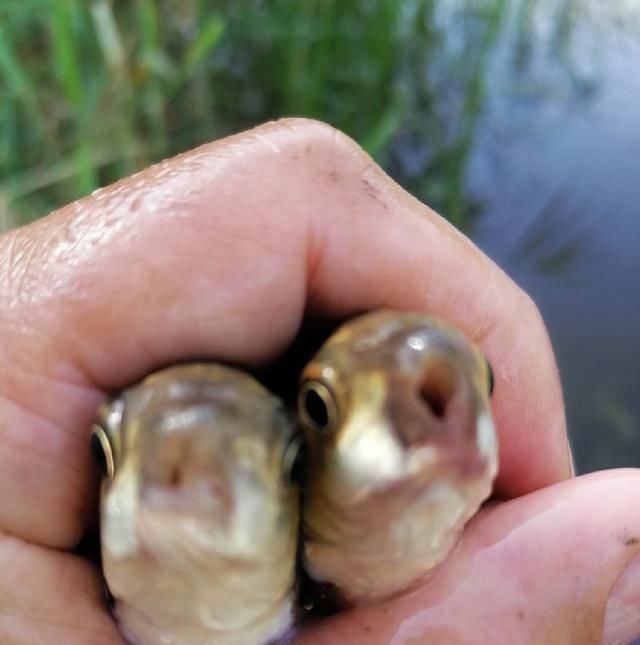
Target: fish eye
x,y
491,380
317,406
102,451
295,461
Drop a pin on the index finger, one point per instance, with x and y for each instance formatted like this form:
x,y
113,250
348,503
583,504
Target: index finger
x,y
220,252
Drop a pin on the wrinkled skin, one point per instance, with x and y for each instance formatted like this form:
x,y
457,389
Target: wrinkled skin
x,y
221,252
199,519
403,454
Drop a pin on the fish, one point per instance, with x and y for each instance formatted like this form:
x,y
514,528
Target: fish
x,y
199,508
402,451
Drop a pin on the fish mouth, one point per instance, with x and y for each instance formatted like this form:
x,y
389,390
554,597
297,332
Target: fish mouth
x,y
438,386
415,431
438,407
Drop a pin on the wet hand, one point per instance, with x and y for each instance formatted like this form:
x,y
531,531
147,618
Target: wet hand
x,y
221,252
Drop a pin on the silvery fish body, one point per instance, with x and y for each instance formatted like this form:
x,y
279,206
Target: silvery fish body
x,y
402,451
198,516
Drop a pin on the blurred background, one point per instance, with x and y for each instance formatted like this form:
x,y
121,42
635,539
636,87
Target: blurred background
x,y
518,120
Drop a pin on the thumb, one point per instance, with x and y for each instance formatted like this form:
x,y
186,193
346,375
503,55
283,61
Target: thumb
x,y
561,565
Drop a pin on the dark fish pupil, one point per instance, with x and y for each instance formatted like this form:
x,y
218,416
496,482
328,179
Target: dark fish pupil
x,y
316,409
491,378
97,454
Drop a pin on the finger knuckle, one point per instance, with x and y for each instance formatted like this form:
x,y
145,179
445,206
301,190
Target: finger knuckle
x,y
316,139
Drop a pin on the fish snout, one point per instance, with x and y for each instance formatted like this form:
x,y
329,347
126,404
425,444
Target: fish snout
x,y
442,411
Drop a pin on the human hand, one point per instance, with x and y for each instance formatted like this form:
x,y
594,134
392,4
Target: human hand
x,y
221,253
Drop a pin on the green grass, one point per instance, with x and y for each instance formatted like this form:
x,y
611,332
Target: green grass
x,y
91,90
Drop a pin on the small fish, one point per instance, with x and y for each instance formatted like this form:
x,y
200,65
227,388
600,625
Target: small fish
x,y
199,510
402,451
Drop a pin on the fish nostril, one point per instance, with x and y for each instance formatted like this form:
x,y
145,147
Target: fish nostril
x,y
175,476
437,388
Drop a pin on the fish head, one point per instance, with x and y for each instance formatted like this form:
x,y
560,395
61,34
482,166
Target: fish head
x,y
392,401
197,463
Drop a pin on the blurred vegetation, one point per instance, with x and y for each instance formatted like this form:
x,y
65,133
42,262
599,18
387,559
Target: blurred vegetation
x,y
93,90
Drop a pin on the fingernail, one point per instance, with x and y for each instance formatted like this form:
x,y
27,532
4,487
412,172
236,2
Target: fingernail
x,y
622,618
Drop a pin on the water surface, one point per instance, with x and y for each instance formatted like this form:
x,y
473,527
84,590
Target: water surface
x,y
555,168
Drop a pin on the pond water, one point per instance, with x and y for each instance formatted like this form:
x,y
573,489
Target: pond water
x,y
555,169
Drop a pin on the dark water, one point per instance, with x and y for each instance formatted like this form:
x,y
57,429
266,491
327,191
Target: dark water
x,y
555,166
